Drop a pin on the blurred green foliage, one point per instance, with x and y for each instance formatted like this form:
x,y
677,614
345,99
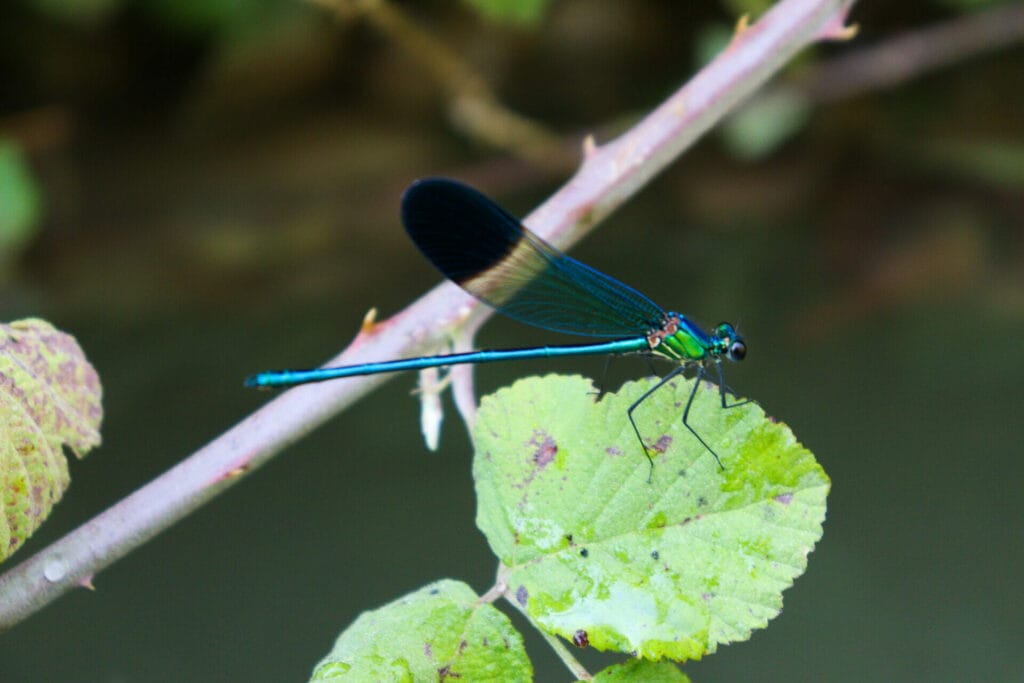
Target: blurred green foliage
x,y
77,12
19,202
769,119
766,122
214,15
998,163
754,8
522,12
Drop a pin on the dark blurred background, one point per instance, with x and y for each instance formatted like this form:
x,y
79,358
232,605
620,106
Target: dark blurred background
x,y
200,189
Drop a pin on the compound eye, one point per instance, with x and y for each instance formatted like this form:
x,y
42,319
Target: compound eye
x,y
737,350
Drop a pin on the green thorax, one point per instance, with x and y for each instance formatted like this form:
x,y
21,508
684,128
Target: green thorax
x,y
683,340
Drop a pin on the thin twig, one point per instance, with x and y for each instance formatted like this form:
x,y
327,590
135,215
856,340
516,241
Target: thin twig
x,y
909,55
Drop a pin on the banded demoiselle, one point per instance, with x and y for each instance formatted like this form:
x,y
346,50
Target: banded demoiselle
x,y
485,250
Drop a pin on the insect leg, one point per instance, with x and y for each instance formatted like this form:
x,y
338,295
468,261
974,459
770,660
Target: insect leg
x,y
662,382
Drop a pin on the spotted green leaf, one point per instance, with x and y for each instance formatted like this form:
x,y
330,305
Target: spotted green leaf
x,y
438,633
672,567
50,398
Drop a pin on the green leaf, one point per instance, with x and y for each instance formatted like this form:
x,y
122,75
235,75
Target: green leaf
x,y
50,397
440,632
642,670
697,557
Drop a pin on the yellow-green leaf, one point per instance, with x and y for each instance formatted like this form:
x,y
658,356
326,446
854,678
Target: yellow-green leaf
x,y
50,397
441,632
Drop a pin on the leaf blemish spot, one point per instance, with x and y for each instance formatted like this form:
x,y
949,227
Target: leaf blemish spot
x,y
658,521
584,553
545,453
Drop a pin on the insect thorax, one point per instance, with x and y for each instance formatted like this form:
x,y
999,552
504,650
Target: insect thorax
x,y
679,338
